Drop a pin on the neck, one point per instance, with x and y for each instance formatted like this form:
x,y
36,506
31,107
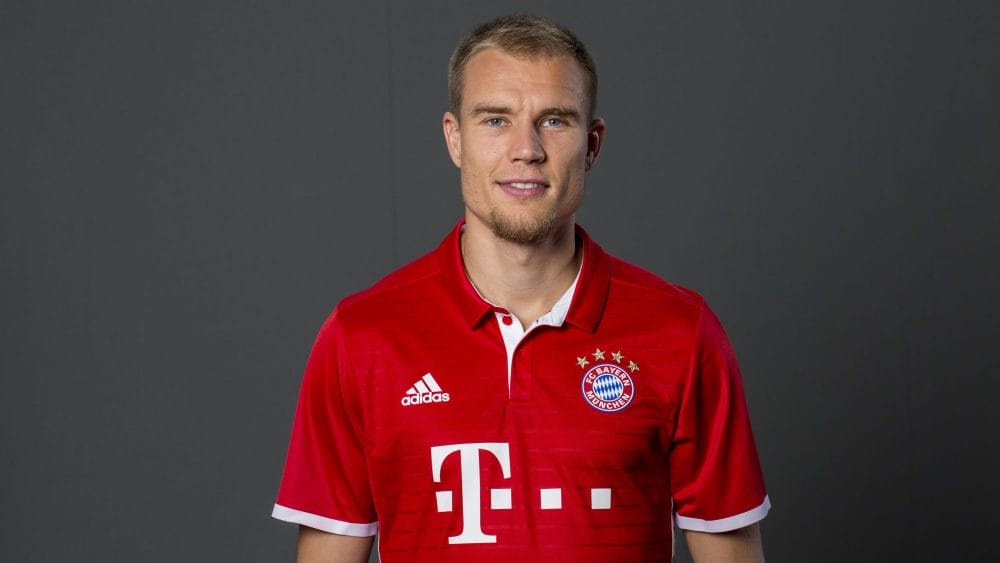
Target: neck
x,y
527,280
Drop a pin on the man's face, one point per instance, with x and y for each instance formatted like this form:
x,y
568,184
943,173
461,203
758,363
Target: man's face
x,y
523,143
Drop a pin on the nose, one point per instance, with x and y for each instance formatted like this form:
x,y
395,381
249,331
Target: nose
x,y
526,144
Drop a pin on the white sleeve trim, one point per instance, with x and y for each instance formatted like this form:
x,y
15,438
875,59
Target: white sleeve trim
x,y
323,523
725,524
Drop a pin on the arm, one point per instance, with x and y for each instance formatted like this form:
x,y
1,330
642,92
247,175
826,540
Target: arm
x,y
316,546
738,546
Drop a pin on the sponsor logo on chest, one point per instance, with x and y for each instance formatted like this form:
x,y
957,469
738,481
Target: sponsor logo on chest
x,y
501,498
426,390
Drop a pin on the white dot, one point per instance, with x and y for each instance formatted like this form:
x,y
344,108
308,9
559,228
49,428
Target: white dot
x,y
600,499
444,501
551,498
500,499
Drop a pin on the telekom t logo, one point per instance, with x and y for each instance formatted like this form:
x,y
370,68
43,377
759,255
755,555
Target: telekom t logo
x,y
472,529
500,499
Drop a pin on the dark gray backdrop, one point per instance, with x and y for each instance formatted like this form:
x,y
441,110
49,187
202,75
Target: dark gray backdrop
x,y
189,188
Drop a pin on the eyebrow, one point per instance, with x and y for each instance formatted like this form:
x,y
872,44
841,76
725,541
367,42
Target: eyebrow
x,y
565,112
558,111
481,109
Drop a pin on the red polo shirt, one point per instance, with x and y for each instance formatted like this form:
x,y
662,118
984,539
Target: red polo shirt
x,y
424,415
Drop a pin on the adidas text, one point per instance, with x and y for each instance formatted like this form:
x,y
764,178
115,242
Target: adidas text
x,y
425,398
425,390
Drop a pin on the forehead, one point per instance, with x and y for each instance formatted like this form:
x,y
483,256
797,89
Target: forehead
x,y
492,76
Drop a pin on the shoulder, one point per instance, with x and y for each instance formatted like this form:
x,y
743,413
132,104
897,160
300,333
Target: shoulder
x,y
362,320
640,286
667,305
414,285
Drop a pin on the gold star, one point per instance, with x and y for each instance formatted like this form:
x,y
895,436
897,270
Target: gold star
x,y
617,356
599,354
633,367
582,362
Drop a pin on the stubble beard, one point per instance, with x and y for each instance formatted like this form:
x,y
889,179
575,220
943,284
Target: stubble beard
x,y
523,232
531,230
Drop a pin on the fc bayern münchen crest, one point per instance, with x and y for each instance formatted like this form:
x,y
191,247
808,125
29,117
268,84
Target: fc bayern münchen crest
x,y
607,386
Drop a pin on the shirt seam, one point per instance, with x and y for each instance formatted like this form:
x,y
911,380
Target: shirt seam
x,y
692,362
344,349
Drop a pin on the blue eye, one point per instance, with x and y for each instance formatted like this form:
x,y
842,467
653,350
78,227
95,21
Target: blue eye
x,y
554,122
494,122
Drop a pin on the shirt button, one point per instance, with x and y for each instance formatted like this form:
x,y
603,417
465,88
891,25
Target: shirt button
x,y
507,320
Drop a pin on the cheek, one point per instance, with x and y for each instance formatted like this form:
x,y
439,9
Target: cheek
x,y
569,149
482,146
574,162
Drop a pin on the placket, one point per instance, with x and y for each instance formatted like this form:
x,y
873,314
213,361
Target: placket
x,y
519,354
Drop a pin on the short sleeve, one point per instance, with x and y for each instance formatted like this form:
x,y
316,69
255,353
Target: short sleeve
x,y
715,472
325,482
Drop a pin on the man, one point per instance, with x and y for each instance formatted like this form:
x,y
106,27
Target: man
x,y
518,394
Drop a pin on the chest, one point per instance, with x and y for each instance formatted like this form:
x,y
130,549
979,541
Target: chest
x,y
471,442
560,397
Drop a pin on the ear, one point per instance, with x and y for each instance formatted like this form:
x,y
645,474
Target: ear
x,y
595,139
452,137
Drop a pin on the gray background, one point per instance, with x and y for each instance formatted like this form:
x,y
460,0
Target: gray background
x,y
188,188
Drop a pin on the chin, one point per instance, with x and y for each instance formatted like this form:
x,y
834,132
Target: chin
x,y
526,232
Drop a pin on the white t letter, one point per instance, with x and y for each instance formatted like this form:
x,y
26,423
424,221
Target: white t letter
x,y
472,527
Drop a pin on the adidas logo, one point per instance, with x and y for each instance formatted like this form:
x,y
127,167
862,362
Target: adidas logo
x,y
425,390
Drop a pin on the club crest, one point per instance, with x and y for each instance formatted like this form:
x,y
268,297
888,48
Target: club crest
x,y
607,385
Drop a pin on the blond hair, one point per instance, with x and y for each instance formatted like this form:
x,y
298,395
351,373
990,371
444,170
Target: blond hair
x,y
521,36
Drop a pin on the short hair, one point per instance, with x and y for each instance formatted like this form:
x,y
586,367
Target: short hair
x,y
521,36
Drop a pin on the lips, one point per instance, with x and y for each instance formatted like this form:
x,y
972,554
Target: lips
x,y
526,185
523,187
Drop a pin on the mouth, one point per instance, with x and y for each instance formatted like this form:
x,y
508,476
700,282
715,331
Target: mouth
x,y
523,187
526,185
